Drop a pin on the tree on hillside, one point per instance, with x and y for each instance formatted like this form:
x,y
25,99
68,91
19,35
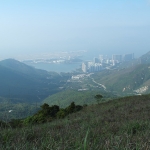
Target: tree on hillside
x,y
71,108
49,113
49,110
98,97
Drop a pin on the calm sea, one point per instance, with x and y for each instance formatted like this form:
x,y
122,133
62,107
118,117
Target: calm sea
x,y
56,67
62,67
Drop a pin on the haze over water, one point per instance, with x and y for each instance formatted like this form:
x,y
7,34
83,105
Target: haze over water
x,y
56,67
99,27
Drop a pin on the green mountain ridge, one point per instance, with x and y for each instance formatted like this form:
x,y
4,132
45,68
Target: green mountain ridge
x,y
22,81
126,81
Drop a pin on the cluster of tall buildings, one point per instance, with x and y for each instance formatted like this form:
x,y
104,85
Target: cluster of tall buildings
x,y
91,67
104,62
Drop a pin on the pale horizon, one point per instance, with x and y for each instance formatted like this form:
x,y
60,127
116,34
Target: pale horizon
x,y
104,27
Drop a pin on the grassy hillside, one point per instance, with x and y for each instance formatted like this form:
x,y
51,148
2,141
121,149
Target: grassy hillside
x,y
22,109
118,124
64,98
125,81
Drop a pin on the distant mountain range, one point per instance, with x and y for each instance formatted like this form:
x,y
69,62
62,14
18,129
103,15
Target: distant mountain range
x,y
20,81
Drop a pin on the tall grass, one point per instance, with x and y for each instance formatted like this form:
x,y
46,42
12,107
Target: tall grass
x,y
121,124
85,140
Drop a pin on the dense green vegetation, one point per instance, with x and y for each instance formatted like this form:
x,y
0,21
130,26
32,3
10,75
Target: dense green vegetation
x,y
118,124
11,108
50,113
14,109
45,114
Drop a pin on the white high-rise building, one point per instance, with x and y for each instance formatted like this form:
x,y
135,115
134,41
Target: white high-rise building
x,y
101,58
90,64
93,67
84,67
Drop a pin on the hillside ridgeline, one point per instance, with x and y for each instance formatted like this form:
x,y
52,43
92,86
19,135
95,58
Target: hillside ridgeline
x,y
20,81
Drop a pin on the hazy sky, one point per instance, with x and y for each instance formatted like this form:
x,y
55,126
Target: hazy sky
x,y
101,26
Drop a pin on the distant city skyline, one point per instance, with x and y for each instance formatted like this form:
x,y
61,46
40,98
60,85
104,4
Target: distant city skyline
x,y
98,27
103,62
85,55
